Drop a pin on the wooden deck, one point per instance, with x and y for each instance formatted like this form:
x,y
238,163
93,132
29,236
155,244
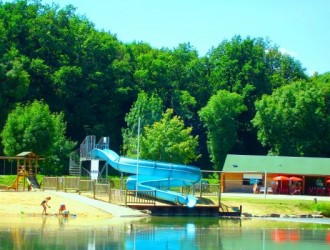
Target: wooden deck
x,y
179,210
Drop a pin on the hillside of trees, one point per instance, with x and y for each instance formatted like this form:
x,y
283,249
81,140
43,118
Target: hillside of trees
x,y
243,97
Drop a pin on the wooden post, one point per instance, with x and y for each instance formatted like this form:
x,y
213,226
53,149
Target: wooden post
x,y
80,184
56,183
125,197
109,191
36,167
219,195
24,176
64,184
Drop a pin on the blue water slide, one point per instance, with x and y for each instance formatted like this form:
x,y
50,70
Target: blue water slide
x,y
154,176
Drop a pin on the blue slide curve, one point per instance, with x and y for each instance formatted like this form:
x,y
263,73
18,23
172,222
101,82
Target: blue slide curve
x,y
154,176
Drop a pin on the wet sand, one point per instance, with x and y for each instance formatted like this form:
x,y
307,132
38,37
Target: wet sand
x,y
20,209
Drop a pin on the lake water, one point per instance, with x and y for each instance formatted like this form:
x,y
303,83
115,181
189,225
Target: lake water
x,y
163,233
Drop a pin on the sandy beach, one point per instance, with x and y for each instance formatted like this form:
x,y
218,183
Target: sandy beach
x,y
23,210
20,209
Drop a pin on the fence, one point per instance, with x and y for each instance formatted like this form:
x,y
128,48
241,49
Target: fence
x,y
206,190
111,191
55,183
99,191
140,197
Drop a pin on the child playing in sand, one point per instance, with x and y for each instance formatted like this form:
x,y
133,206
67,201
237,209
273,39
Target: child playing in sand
x,y
62,211
44,203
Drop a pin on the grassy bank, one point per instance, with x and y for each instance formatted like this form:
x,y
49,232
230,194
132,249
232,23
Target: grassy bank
x,y
268,206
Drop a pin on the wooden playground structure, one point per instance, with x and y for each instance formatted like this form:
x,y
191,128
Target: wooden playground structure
x,y
27,170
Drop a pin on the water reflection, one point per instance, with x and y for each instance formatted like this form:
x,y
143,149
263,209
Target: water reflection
x,y
168,233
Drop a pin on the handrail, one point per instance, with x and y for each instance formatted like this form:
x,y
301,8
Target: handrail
x,y
103,143
87,146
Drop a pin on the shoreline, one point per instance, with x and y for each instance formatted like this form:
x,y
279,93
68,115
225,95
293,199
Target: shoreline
x,y
22,209
22,202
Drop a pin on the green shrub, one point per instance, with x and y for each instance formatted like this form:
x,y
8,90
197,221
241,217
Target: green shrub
x,y
323,208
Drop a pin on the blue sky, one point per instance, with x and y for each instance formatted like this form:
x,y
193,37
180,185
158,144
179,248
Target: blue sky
x,y
299,27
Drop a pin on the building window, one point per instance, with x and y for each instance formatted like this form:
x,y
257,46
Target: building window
x,y
251,179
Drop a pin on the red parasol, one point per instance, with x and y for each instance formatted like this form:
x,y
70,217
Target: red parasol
x,y
294,178
281,178
328,181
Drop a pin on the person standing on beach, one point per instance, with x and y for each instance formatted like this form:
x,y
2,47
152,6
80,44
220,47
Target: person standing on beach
x,y
44,203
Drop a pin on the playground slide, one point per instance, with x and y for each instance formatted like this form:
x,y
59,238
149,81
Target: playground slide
x,y
33,182
153,175
15,183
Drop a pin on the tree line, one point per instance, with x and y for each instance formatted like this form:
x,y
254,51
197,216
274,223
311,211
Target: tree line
x,y
62,79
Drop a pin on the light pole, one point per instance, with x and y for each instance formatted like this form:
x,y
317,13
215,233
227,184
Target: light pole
x,y
137,157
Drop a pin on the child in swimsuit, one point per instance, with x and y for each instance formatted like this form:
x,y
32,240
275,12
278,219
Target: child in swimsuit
x,y
62,211
44,203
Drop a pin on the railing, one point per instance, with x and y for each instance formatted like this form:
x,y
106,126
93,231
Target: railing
x,y
90,143
55,183
206,190
117,196
140,197
102,191
71,184
87,146
103,143
86,186
85,172
111,191
74,166
83,153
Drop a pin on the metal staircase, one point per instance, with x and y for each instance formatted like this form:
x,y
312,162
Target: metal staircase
x,y
74,167
83,153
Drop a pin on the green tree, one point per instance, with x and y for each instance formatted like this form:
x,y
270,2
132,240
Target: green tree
x,y
294,120
68,62
220,119
168,140
184,103
188,78
32,127
172,75
14,80
250,67
149,109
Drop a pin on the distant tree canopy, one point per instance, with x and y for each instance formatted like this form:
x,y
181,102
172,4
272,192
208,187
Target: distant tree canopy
x,y
101,85
250,67
295,119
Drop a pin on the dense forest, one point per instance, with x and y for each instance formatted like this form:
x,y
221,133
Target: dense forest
x,y
243,97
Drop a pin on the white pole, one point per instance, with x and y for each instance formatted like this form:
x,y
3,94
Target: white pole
x,y
137,157
266,183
